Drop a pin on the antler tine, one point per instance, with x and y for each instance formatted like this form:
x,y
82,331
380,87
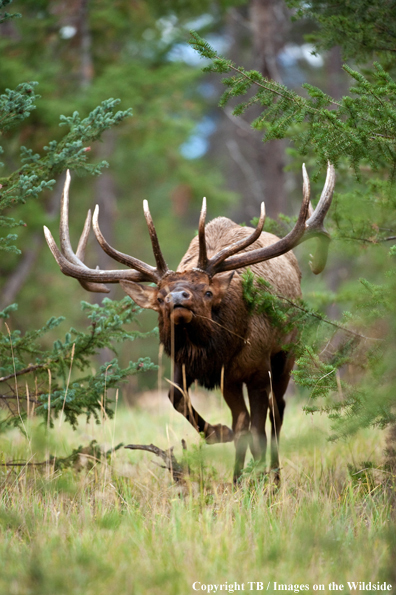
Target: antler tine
x,y
162,267
82,243
134,263
202,257
306,186
80,254
314,225
66,247
64,221
237,246
85,274
315,221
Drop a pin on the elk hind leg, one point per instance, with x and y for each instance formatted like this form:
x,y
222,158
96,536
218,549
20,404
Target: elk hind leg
x,y
233,396
281,366
258,392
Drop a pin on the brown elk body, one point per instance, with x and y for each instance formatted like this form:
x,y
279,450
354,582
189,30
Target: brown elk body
x,y
204,322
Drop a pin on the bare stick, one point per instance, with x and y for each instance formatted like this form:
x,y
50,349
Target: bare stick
x,y
166,455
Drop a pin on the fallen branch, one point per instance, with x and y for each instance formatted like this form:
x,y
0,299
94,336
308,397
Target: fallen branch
x,y
167,456
92,452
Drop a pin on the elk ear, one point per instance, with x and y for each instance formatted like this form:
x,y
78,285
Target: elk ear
x,y
145,297
220,284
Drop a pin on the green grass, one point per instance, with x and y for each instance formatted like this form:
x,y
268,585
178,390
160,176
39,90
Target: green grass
x,y
122,527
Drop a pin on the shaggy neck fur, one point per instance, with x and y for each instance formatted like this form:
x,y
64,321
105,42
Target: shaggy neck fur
x,y
203,346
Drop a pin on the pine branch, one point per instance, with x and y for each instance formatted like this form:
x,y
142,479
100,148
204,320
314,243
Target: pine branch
x,y
27,370
92,452
357,129
325,319
76,396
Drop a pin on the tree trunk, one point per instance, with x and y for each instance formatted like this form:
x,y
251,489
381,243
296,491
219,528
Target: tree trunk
x,y
270,24
86,64
256,169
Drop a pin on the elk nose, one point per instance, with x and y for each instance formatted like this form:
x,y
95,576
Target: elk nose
x,y
178,298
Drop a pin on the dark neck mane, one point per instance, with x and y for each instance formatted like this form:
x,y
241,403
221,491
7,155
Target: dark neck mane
x,y
205,346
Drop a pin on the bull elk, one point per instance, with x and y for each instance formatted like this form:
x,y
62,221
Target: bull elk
x,y
204,323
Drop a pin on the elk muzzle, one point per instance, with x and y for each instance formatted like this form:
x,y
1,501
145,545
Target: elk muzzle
x,y
179,304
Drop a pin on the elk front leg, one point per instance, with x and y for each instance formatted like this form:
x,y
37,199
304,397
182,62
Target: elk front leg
x,y
180,400
233,396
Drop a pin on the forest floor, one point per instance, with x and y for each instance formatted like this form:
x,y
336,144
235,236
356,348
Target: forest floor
x,y
121,526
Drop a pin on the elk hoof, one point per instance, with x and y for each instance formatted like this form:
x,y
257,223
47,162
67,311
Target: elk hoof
x,y
219,433
276,476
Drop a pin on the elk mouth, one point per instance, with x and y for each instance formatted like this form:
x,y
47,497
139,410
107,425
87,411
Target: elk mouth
x,y
181,315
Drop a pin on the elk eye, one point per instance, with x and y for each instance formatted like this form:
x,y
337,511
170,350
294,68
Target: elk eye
x,y
160,300
209,294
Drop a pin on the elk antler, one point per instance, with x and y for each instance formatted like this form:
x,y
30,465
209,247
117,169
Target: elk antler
x,y
202,257
241,244
134,263
162,267
314,225
64,237
304,229
72,264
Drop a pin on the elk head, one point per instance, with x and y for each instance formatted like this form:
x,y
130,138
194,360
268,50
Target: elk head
x,y
180,296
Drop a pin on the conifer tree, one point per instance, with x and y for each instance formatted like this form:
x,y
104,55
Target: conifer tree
x,y
346,366
76,64
33,378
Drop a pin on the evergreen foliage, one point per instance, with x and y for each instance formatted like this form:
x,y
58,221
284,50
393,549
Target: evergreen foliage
x,y
37,171
50,385
325,349
360,127
6,16
346,366
33,377
362,28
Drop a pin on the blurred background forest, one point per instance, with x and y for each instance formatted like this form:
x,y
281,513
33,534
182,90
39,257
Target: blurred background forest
x,y
322,87
175,148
